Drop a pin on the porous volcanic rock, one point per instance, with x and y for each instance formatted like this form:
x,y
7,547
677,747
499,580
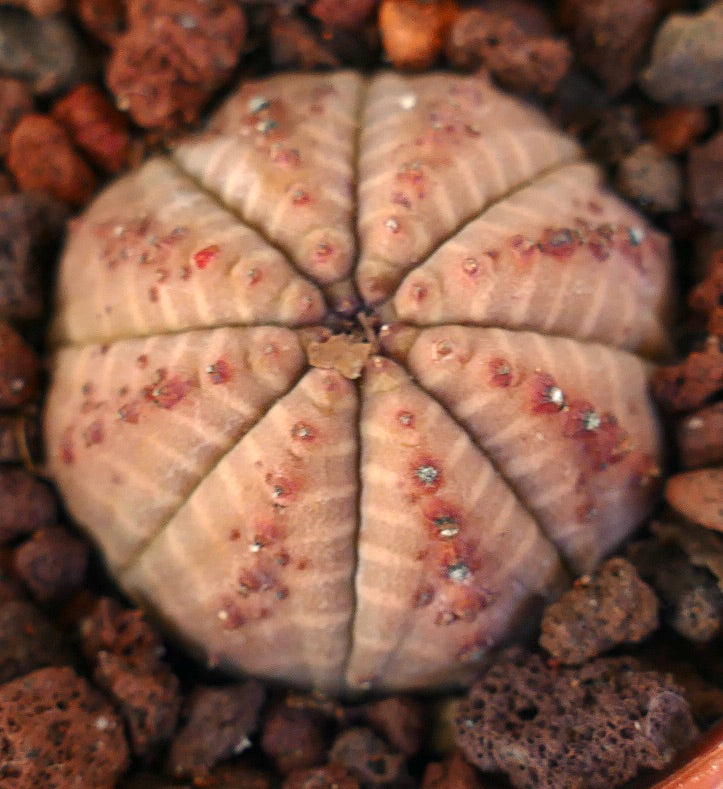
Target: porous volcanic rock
x,y
346,381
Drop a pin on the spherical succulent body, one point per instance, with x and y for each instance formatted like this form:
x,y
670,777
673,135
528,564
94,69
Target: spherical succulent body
x,y
350,383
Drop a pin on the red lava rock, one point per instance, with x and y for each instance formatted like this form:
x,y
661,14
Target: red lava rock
x,y
52,563
613,607
687,385
675,129
611,38
104,19
293,44
26,503
401,720
692,602
19,369
347,14
57,732
368,757
497,42
705,180
174,54
650,178
413,31
700,437
149,702
28,640
30,227
616,135
16,100
218,723
294,738
95,126
334,776
591,726
686,61
122,632
698,495
41,157
454,771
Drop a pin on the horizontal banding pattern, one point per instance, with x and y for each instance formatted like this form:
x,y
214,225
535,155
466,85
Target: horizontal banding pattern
x,y
386,532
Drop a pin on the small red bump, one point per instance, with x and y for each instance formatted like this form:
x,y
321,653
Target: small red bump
x,y
142,361
423,596
419,292
547,396
427,475
287,157
219,372
405,418
67,455
204,256
500,372
94,434
234,534
167,393
128,412
153,294
251,581
323,251
302,431
560,242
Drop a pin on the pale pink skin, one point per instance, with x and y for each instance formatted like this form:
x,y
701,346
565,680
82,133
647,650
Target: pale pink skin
x,y
386,532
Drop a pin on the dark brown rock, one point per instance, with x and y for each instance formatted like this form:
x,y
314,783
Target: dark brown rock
x,y
401,720
368,757
52,563
611,38
218,723
705,180
518,60
19,438
333,776
30,229
616,135
675,129
591,726
613,607
19,369
56,731
26,503
104,19
294,738
691,601
28,640
294,44
703,547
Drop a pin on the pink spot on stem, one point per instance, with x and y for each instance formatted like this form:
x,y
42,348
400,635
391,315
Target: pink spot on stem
x,y
204,256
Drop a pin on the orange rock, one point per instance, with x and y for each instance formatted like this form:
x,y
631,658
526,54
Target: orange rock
x,y
41,157
677,128
95,125
414,32
698,495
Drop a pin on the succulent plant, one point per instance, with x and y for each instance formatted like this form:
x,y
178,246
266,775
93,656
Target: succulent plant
x,y
349,384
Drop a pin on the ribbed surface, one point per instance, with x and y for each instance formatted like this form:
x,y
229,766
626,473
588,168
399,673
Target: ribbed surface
x,y
386,532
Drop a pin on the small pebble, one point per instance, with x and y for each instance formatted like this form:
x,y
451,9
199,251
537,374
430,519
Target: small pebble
x,y
369,758
700,437
686,61
19,369
52,563
650,178
294,738
413,33
698,495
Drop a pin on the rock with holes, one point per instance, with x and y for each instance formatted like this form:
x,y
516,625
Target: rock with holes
x,y
348,383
